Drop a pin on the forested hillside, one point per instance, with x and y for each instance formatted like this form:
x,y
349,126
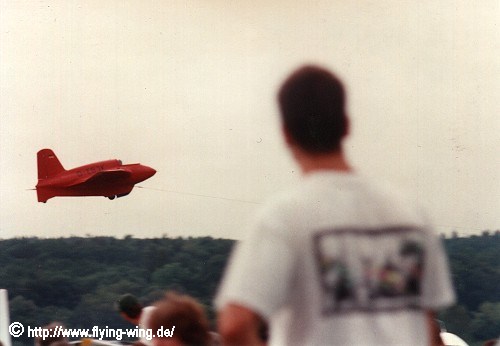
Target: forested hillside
x,y
475,267
77,280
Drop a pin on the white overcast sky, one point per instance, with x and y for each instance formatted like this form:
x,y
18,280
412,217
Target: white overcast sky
x,y
188,88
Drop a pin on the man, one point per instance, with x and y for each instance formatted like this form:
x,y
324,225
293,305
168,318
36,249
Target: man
x,y
133,311
55,337
338,260
179,320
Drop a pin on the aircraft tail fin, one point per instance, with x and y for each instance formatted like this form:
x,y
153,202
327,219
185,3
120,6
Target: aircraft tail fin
x,y
48,164
44,194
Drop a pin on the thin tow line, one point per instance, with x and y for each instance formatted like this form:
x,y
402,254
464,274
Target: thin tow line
x,y
198,195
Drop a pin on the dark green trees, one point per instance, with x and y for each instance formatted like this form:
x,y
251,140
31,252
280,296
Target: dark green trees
x,y
77,280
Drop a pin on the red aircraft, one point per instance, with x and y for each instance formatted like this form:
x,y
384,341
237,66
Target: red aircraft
x,y
106,178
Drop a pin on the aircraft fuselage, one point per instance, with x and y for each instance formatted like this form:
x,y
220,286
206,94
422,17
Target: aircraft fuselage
x,y
108,178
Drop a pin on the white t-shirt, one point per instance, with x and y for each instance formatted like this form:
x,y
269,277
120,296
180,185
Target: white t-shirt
x,y
144,323
339,261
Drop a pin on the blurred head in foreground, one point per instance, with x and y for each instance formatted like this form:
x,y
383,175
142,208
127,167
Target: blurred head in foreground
x,y
182,321
51,336
312,105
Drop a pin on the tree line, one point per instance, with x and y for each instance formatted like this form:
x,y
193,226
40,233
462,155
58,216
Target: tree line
x,y
77,280
475,268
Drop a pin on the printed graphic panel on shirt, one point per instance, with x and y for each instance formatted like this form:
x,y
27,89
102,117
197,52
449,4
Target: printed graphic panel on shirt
x,y
369,270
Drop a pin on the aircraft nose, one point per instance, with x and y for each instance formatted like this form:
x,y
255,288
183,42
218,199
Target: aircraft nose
x,y
145,172
149,172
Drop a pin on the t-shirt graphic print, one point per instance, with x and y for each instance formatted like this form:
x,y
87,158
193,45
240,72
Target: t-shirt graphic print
x,y
369,270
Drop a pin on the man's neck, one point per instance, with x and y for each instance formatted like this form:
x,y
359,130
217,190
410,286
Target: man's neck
x,y
333,161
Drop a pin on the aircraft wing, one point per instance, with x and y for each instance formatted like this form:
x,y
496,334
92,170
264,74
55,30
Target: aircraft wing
x,y
102,178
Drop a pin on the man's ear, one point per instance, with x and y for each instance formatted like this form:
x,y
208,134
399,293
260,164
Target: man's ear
x,y
347,129
287,136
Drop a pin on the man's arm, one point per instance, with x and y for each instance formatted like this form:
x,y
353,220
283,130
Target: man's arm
x,y
239,325
433,328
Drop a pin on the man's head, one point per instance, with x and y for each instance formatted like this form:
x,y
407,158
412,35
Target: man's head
x,y
312,105
188,317
129,307
54,338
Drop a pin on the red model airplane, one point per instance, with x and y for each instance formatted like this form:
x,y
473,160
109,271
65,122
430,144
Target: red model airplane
x,y
106,178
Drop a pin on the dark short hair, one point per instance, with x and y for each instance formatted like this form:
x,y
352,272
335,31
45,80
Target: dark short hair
x,y
129,305
312,105
186,314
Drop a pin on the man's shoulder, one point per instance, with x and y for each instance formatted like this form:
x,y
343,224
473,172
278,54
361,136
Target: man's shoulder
x,y
146,315
278,202
148,310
